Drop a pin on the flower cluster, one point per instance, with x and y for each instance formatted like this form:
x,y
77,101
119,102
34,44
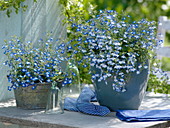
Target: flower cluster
x,y
113,44
30,64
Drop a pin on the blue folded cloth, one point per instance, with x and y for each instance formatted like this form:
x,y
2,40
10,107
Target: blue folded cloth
x,y
83,104
143,115
70,104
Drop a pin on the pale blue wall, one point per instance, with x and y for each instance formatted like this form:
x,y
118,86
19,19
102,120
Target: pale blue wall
x,y
8,27
41,17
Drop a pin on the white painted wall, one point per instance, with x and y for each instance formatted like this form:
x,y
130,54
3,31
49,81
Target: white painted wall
x,y
41,17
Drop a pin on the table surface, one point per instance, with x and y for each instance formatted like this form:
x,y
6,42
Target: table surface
x,y
37,118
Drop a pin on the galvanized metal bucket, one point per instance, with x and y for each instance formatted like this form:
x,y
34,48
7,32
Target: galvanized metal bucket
x,y
27,98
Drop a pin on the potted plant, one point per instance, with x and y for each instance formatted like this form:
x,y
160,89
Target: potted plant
x,y
116,52
32,69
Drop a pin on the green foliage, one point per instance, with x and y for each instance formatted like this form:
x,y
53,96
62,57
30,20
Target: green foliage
x,y
76,11
150,9
8,5
158,86
76,8
165,64
157,82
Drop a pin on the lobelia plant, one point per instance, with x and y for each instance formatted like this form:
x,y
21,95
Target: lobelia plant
x,y
116,45
29,64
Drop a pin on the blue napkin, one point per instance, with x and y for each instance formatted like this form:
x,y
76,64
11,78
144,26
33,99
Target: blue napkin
x,y
70,104
83,104
143,115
